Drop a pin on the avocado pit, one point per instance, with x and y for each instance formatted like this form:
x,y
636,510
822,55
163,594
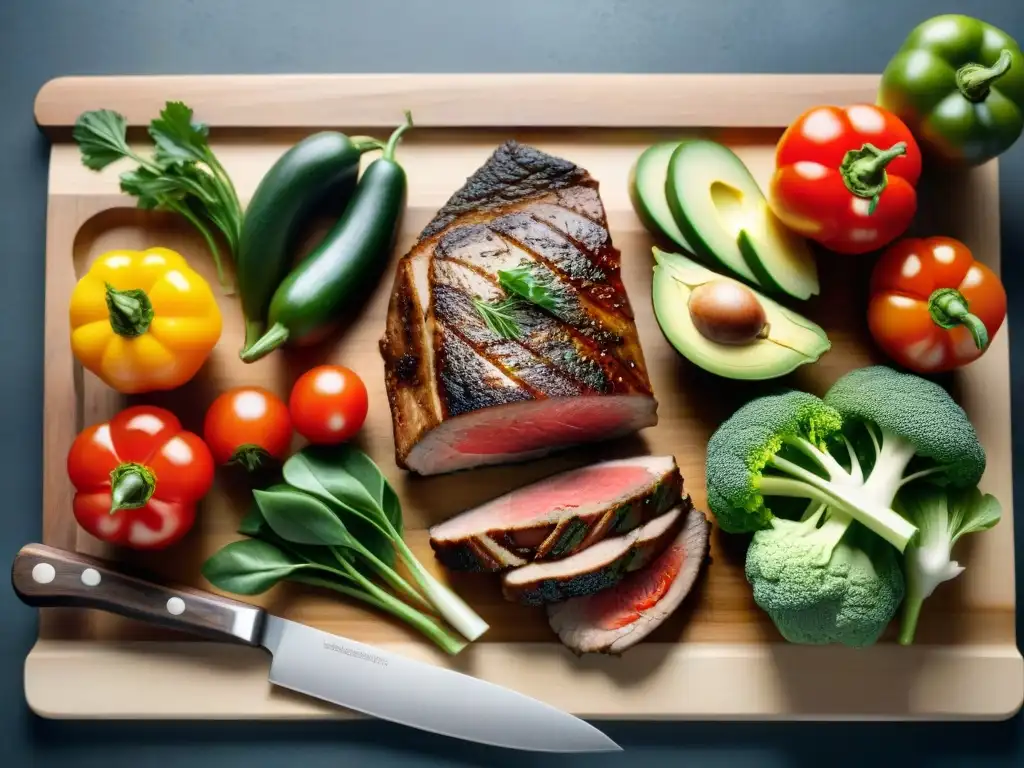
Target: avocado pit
x,y
727,312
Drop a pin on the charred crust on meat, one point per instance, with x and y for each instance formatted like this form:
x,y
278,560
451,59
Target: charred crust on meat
x,y
407,370
548,244
565,539
512,173
466,556
556,590
458,237
468,380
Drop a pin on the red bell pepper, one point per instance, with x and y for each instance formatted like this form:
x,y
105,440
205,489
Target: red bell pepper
x,y
845,177
138,478
933,308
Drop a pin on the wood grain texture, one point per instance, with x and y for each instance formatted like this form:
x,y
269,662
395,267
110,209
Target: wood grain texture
x,y
968,624
451,100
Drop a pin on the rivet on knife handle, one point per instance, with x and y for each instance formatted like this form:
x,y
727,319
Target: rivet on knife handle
x,y
49,577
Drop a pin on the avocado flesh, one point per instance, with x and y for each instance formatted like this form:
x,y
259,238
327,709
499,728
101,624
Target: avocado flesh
x,y
647,193
722,211
792,340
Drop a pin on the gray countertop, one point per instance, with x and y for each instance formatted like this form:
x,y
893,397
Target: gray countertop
x,y
40,39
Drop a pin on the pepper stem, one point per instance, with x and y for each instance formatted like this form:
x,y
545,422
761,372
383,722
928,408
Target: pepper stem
x,y
948,309
864,173
271,340
131,312
975,80
131,486
392,145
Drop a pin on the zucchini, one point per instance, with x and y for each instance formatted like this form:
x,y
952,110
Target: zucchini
x,y
322,167
345,265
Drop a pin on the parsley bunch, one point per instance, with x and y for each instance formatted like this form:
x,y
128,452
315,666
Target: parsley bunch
x,y
183,175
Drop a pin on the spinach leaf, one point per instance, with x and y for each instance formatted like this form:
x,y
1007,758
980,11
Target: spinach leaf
x,y
314,471
253,523
255,526
301,518
250,567
368,474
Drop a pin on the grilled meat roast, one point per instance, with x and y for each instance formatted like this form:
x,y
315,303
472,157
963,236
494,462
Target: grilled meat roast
x,y
464,393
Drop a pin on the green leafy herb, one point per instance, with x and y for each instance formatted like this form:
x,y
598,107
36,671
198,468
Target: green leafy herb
x,y
183,175
501,316
336,523
312,471
524,286
300,518
527,283
251,567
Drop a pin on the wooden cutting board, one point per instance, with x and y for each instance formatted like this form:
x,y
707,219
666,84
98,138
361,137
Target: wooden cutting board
x,y
718,656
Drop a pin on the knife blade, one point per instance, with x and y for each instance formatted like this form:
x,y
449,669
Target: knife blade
x,y
335,669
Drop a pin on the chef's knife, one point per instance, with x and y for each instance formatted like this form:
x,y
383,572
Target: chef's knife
x,y
335,669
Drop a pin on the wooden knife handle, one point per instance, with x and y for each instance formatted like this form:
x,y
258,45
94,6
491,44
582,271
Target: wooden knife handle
x,y
49,577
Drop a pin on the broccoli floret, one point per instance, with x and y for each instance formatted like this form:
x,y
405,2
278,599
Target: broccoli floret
x,y
778,445
825,582
908,417
943,516
741,448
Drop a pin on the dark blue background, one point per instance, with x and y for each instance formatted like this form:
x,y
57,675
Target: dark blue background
x,y
40,39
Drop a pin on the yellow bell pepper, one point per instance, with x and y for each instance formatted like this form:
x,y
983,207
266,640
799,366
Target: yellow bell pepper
x,y
143,320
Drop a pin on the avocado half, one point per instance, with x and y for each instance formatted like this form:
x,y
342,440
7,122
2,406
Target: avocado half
x,y
724,217
791,340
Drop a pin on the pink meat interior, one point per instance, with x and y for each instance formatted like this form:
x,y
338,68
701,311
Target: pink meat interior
x,y
562,422
597,486
590,485
638,592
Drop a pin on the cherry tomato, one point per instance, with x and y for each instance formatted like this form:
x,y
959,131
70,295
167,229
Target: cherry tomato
x,y
328,404
248,426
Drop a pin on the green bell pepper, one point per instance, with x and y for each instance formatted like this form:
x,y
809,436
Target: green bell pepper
x,y
958,84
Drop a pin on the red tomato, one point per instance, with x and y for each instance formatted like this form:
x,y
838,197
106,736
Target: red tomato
x,y
328,404
248,426
933,308
138,478
845,177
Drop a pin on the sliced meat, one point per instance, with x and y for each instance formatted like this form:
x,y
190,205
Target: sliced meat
x,y
559,515
464,393
594,569
618,618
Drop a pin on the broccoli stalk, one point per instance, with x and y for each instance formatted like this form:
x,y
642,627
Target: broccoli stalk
x,y
763,450
942,516
825,579
868,500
